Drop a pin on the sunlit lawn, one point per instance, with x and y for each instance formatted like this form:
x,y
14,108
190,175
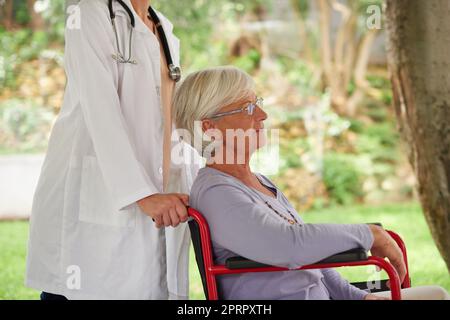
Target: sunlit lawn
x,y
426,265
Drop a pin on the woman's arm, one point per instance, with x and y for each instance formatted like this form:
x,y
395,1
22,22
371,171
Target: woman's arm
x,y
244,226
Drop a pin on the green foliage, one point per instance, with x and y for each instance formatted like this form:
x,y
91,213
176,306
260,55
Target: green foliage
x,y
21,14
300,74
193,24
383,84
248,62
377,112
362,5
17,47
302,6
24,126
53,13
384,132
55,16
379,141
290,152
342,178
356,125
22,45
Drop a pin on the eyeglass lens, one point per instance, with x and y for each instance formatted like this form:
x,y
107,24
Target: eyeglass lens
x,y
251,107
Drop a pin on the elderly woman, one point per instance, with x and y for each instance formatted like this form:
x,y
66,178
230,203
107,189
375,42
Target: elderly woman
x,y
248,215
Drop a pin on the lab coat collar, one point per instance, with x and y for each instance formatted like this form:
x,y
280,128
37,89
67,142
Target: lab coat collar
x,y
140,25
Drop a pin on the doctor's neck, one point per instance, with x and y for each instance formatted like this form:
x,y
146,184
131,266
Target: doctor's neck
x,y
141,6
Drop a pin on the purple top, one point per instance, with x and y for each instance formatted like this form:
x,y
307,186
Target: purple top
x,y
242,224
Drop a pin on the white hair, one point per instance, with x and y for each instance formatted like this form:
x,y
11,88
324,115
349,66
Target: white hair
x,y
204,92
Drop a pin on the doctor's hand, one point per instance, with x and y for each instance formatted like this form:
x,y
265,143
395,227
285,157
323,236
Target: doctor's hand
x,y
385,247
166,209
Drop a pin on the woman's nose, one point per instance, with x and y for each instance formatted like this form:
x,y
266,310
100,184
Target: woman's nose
x,y
261,115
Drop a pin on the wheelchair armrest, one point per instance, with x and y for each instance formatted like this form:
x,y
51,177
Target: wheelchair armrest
x,y
358,254
243,263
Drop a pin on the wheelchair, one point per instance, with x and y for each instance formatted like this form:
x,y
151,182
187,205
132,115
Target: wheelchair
x,y
208,270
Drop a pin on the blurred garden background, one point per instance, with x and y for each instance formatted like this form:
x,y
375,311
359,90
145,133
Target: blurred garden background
x,y
321,67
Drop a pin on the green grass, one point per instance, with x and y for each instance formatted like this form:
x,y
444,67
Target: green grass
x,y
13,244
426,265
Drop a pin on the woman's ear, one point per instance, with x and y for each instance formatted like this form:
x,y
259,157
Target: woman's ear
x,y
207,124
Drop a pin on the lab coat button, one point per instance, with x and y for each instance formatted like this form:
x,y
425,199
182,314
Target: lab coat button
x,y
160,170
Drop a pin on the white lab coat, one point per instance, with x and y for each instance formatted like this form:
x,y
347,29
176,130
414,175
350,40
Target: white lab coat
x,y
88,237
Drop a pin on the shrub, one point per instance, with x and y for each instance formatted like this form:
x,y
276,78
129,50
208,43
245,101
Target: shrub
x,y
24,126
342,179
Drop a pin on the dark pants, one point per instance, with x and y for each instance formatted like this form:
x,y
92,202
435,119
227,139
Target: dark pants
x,y
50,296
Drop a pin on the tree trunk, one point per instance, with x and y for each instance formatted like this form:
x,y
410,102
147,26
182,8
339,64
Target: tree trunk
x,y
350,52
303,32
7,20
359,74
419,62
36,21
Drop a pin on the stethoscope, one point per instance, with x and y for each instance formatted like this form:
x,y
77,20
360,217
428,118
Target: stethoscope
x,y
174,72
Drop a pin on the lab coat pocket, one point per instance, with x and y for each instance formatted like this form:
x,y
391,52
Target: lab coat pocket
x,y
96,202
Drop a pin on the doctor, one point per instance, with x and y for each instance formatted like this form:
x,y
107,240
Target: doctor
x,y
108,211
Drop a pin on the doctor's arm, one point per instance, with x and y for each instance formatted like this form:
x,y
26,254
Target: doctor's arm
x,y
93,73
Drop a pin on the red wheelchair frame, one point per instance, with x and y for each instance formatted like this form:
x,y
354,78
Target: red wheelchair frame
x,y
208,270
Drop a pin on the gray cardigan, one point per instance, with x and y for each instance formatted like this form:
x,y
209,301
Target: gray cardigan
x,y
241,223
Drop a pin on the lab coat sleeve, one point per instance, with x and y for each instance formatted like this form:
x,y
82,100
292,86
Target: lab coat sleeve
x,y
93,73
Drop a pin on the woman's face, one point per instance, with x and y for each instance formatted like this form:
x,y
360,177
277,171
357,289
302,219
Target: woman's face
x,y
241,132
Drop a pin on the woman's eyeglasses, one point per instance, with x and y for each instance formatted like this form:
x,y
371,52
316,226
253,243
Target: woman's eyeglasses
x,y
250,108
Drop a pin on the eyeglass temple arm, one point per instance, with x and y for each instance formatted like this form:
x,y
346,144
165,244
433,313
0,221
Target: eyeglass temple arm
x,y
225,113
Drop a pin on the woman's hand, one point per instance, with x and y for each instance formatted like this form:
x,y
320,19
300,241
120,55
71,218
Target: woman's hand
x,y
371,296
385,247
166,209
